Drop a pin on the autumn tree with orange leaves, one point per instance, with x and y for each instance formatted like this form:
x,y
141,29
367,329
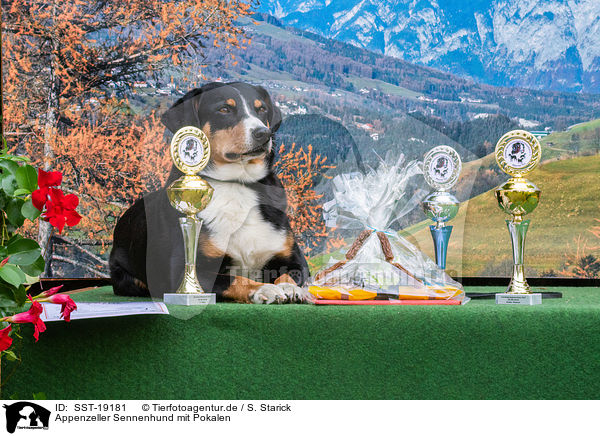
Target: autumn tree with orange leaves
x,y
66,67
297,169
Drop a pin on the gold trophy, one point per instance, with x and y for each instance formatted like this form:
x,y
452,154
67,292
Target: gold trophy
x,y
190,194
518,153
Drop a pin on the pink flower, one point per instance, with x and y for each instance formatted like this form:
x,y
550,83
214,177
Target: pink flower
x,y
4,262
5,340
32,316
50,292
67,305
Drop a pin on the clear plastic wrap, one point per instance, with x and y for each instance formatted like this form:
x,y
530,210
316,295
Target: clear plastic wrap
x,y
380,264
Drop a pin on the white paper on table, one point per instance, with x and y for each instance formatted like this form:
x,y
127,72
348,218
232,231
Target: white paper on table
x,y
51,311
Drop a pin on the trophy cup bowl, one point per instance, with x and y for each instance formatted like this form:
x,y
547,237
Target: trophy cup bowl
x,y
518,153
440,207
190,194
441,169
518,197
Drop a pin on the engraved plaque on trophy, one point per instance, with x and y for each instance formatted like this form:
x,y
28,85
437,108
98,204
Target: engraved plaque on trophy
x,y
190,194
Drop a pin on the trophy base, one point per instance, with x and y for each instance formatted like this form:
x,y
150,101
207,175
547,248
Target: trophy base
x,y
519,299
190,299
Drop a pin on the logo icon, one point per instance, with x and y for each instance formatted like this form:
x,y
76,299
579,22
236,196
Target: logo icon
x,y
26,415
441,167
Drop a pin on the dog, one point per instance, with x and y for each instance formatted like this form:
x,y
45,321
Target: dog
x,y
247,251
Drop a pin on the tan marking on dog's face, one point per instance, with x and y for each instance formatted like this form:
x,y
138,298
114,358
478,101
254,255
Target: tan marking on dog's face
x,y
257,103
231,102
241,289
232,140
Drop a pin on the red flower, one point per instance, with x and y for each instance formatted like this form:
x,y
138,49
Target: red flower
x,y
67,303
39,197
50,292
60,209
5,340
32,316
4,262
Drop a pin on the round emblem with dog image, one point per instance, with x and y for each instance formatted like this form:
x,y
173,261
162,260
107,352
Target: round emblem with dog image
x,y
518,152
191,150
441,167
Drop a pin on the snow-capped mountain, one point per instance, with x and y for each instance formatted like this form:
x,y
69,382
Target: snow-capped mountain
x,y
544,44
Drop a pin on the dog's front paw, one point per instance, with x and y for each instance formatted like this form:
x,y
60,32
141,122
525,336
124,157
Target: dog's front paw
x,y
268,294
294,293
280,293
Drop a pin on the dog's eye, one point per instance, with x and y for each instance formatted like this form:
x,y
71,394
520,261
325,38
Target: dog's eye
x,y
225,110
261,109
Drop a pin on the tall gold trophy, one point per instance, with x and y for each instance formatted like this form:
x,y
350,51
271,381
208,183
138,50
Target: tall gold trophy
x,y
518,153
190,194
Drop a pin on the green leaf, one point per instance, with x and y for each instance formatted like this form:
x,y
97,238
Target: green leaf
x,y
29,211
19,192
34,269
9,184
20,159
10,355
12,275
22,244
25,257
7,296
13,212
27,177
20,295
40,396
23,252
10,166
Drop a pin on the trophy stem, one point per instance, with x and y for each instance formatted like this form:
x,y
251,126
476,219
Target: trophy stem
x,y
518,231
190,227
441,236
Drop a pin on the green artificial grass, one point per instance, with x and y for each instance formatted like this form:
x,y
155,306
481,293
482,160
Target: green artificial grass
x,y
236,351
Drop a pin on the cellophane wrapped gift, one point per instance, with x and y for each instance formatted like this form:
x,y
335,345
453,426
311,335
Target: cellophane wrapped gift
x,y
380,264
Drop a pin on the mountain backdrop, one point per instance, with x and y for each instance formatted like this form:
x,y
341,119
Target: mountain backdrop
x,y
550,44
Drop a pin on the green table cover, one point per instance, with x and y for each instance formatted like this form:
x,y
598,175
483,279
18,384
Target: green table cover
x,y
237,351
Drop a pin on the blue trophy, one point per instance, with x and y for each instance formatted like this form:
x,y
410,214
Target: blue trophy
x,y
441,168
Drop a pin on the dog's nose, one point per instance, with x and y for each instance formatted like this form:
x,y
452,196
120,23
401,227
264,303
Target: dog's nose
x,y
261,134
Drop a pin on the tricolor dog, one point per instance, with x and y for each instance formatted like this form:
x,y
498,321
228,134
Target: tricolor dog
x,y
247,251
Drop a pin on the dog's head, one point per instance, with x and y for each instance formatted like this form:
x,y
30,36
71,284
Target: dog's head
x,y
239,120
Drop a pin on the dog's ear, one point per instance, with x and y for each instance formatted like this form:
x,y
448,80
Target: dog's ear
x,y
274,112
184,112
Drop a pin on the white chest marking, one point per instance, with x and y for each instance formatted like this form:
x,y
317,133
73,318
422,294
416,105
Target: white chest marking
x,y
237,227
